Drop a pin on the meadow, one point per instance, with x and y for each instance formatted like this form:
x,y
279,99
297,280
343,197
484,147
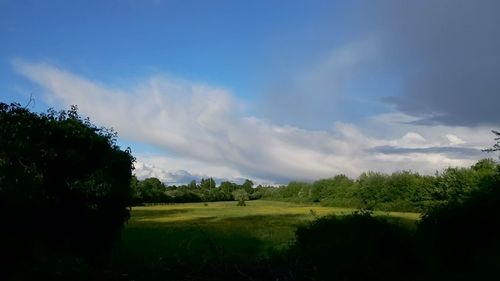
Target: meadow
x,y
168,237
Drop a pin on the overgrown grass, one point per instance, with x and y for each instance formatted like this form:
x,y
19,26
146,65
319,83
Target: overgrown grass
x,y
164,237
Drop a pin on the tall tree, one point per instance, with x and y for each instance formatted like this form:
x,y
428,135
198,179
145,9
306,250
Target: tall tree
x,y
207,183
248,186
192,185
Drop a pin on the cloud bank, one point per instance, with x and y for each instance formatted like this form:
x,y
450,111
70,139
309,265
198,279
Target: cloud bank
x,y
205,131
438,60
447,54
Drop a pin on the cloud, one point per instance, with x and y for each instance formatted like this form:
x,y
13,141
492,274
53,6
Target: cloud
x,y
451,152
446,54
204,130
318,93
454,140
178,177
436,60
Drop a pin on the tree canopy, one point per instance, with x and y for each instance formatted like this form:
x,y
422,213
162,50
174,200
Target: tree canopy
x,y
64,183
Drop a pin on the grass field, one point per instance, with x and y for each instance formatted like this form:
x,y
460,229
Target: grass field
x,y
262,225
157,237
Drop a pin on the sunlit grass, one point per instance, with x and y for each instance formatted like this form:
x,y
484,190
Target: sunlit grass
x,y
223,210
163,235
217,211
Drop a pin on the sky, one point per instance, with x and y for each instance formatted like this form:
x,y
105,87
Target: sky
x,y
274,91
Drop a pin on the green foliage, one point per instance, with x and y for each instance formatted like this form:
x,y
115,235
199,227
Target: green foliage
x,y
248,186
241,195
463,235
402,191
228,187
207,183
182,195
192,185
488,173
399,191
371,189
152,190
135,192
353,247
338,187
63,182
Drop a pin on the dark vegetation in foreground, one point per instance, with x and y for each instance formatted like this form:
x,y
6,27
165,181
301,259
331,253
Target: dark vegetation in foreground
x,y
457,241
65,190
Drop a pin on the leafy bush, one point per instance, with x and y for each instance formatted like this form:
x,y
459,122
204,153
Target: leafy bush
x,y
354,247
64,184
463,236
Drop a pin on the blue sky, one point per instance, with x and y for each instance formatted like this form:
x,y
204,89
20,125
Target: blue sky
x,y
268,90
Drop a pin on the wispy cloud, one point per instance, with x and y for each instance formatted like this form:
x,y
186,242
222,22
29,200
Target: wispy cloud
x,y
320,92
206,132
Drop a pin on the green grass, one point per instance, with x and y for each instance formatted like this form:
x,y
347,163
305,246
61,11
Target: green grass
x,y
157,237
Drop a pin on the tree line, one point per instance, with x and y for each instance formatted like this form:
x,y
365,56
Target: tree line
x,y
152,190
400,191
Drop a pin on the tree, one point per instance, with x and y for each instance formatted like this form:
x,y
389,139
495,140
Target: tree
x,y
192,185
371,186
228,187
337,191
153,190
241,196
136,196
496,146
63,182
248,186
207,183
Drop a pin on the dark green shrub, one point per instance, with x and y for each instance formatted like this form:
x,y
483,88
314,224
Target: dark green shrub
x,y
462,238
354,247
64,185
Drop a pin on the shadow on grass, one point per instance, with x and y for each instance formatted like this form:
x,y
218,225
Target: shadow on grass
x,y
141,214
254,247
151,250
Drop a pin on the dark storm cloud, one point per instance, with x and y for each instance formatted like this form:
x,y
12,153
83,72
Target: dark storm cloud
x,y
438,60
448,55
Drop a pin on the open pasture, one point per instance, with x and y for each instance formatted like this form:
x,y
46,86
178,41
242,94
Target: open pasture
x,y
220,230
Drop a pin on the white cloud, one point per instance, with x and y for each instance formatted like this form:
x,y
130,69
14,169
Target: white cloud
x,y
411,139
206,131
454,140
